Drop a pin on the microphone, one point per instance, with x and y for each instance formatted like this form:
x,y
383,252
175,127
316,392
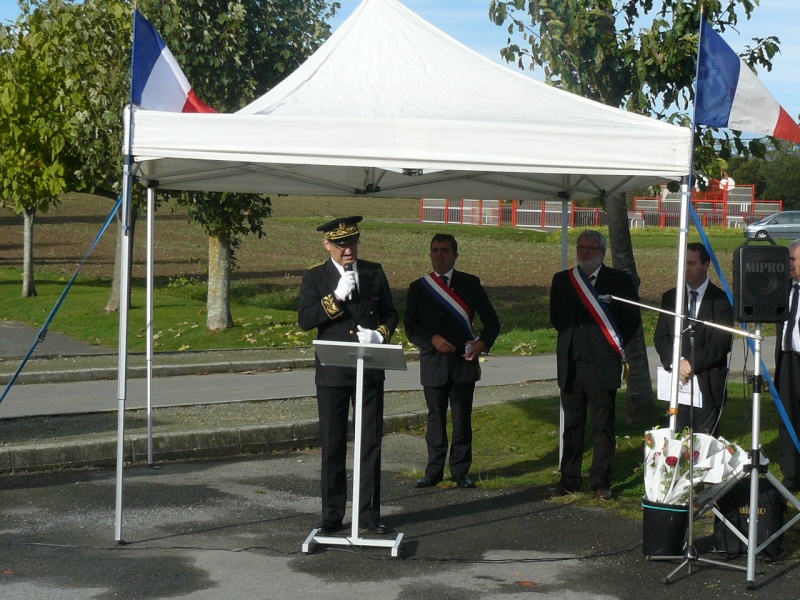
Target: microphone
x,y
347,269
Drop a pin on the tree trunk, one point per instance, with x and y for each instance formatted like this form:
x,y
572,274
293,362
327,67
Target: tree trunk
x,y
113,299
642,408
28,283
218,304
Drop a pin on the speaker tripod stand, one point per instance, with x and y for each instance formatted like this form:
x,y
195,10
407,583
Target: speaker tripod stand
x,y
757,468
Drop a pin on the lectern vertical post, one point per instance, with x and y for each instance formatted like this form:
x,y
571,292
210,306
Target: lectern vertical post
x,y
358,420
362,357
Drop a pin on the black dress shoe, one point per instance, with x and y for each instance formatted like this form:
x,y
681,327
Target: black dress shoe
x,y
603,494
560,490
465,481
375,529
328,527
427,481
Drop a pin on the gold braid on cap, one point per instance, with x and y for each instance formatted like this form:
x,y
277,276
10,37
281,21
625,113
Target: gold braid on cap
x,y
341,232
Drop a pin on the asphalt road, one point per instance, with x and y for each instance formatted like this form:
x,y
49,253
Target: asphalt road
x,y
235,529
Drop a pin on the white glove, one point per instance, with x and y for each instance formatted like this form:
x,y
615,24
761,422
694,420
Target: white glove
x,y
347,283
369,336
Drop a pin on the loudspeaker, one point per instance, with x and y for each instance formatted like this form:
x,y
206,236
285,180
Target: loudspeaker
x,y
761,284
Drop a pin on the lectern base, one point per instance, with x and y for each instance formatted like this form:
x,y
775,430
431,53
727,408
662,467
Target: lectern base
x,y
313,539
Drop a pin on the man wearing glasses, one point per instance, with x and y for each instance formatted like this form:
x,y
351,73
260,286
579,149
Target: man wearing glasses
x,y
348,300
593,330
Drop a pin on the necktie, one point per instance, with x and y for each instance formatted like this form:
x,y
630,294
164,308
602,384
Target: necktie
x,y
693,304
593,279
792,320
446,280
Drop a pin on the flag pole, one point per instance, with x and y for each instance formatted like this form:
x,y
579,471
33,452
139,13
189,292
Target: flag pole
x,y
690,554
680,283
124,295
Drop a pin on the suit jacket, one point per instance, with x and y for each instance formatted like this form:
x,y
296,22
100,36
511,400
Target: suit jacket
x,y
338,321
568,314
779,337
426,316
711,346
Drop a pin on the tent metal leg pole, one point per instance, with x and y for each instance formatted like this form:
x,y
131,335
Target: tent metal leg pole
x,y
122,359
149,334
564,266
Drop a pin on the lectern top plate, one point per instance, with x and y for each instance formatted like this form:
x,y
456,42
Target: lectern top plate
x,y
346,354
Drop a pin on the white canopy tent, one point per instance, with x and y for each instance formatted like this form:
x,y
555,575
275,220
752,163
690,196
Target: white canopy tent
x,y
390,106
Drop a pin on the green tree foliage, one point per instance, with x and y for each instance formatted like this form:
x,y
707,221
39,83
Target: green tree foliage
x,y
232,53
37,118
61,84
37,124
639,55
776,177
64,80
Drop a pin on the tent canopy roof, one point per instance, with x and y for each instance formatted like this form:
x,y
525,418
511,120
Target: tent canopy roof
x,y
390,106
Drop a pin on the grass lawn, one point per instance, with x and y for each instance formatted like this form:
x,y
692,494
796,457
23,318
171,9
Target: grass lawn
x,y
516,444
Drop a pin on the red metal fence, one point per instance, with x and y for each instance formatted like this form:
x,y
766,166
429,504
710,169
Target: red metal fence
x,y
734,208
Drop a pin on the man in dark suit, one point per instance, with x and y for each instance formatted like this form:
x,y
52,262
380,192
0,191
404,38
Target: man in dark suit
x,y
711,345
787,376
439,312
348,299
590,358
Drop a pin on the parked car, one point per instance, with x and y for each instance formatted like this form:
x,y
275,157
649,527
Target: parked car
x,y
784,224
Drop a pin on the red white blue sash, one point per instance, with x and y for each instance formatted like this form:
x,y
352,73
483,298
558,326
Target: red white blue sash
x,y
451,301
599,310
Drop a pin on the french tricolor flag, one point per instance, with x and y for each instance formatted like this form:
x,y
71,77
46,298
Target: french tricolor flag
x,y
730,95
158,82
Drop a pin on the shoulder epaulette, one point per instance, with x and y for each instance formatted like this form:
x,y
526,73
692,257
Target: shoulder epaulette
x,y
315,265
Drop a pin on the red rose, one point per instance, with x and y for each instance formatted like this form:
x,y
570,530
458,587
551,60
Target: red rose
x,y
672,461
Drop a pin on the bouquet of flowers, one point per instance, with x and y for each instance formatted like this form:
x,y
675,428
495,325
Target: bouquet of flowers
x,y
670,469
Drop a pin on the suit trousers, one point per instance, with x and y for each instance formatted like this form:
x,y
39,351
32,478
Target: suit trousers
x,y
334,404
789,391
579,394
459,396
700,420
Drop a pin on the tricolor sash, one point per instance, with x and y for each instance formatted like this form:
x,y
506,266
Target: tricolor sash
x,y
599,310
450,300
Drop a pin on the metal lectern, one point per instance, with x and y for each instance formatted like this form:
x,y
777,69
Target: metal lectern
x,y
360,356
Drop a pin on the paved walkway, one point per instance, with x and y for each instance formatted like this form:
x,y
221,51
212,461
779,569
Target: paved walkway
x,y
63,409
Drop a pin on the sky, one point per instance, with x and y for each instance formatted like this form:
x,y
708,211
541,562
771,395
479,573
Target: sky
x,y
468,22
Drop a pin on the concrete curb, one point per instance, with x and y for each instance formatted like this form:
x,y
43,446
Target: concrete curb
x,y
101,451
140,372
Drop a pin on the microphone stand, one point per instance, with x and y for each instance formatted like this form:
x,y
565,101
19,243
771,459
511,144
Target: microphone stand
x,y
755,336
690,555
